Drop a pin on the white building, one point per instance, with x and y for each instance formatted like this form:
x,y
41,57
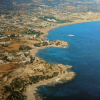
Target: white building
x,y
1,62
10,58
5,54
28,59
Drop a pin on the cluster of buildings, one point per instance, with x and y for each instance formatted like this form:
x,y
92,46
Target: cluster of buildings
x,y
36,20
32,19
23,57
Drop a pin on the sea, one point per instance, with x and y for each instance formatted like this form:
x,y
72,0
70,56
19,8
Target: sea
x,y
83,53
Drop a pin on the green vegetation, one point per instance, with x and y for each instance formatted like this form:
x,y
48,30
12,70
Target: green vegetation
x,y
4,45
17,83
63,21
55,74
37,45
24,48
37,78
12,35
16,96
15,89
32,32
5,58
34,79
1,33
45,43
51,17
17,86
32,59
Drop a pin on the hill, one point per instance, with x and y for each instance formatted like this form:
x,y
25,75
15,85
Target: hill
x,y
90,5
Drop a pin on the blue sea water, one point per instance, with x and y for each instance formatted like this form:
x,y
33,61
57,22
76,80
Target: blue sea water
x,y
83,54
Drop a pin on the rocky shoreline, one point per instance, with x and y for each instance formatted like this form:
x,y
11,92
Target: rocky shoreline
x,y
36,73
40,73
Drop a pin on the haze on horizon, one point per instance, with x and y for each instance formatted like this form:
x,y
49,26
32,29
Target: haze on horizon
x,y
90,5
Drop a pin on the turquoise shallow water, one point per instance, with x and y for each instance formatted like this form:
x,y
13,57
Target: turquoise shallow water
x,y
83,54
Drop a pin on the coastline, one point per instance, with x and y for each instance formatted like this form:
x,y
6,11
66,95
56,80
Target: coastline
x,y
35,68
31,89
45,31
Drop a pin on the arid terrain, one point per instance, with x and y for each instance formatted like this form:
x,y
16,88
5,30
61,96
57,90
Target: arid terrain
x,y
23,25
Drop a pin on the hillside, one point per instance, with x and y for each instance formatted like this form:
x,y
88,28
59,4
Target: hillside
x,y
13,5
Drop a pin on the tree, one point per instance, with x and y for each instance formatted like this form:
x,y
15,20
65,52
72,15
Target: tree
x,y
32,59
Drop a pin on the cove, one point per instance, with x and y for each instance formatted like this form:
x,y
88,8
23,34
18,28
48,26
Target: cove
x,y
83,54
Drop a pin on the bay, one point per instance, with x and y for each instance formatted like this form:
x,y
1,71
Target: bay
x,y
83,54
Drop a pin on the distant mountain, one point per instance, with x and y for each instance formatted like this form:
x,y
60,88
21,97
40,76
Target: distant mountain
x,y
47,2
8,5
22,1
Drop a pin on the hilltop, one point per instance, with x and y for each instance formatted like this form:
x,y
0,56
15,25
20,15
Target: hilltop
x,y
71,5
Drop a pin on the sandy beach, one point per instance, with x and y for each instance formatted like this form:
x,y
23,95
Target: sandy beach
x,y
31,89
45,31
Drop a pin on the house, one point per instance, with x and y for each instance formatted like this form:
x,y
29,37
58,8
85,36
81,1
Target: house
x,y
5,53
27,52
20,35
51,42
2,43
34,36
8,42
1,38
22,56
1,62
28,59
10,57
8,35
16,35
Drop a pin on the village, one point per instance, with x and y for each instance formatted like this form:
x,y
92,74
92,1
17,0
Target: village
x,y
42,18
16,52
23,53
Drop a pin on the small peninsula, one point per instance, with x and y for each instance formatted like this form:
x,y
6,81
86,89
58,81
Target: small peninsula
x,y
33,71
